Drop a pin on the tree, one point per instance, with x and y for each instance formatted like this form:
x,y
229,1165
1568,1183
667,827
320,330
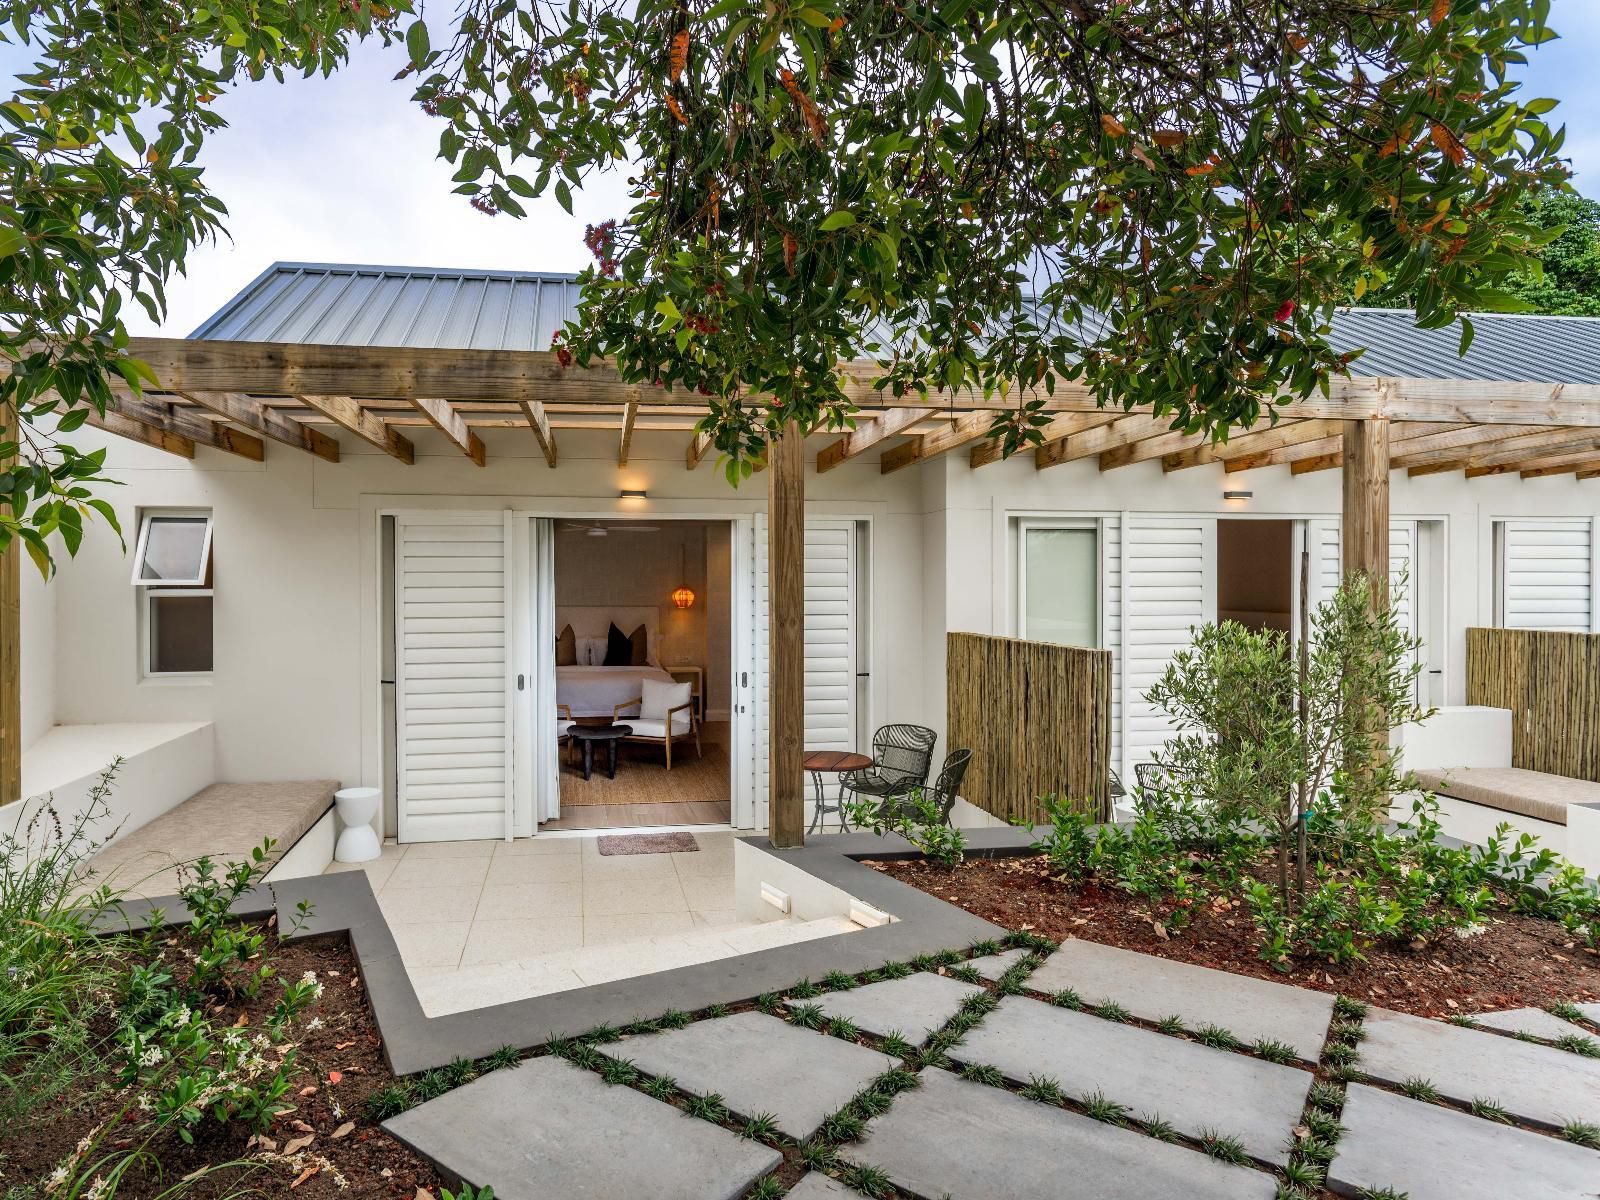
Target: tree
x,y
1161,199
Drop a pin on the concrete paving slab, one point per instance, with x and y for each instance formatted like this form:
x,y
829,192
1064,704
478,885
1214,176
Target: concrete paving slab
x,y
1534,1022
1195,1088
968,1141
759,1064
992,966
817,1186
1153,988
546,1128
1591,1012
1536,1084
913,1006
1427,1152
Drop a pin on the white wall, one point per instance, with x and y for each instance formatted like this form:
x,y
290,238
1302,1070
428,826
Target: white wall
x,y
295,694
38,652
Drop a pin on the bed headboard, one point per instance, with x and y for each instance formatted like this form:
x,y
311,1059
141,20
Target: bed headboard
x,y
593,621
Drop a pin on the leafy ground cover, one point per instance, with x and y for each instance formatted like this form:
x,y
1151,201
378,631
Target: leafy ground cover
x,y
209,1059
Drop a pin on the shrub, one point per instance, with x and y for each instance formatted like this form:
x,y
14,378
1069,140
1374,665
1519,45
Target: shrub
x,y
915,817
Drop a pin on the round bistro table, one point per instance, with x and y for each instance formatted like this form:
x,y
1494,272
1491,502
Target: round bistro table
x,y
588,735
831,762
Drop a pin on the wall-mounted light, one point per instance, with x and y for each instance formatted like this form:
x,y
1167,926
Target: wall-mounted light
x,y
1237,494
633,494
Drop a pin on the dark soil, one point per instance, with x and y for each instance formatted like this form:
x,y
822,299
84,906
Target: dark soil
x,y
1516,961
339,1065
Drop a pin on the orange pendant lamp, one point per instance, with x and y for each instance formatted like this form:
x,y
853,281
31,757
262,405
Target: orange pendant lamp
x,y
683,595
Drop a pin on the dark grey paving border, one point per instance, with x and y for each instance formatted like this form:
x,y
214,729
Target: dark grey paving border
x,y
344,903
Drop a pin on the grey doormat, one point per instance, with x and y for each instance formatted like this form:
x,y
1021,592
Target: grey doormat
x,y
647,843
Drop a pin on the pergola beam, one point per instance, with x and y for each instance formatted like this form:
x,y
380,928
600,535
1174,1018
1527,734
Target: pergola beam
x,y
698,445
1057,428
158,437
1250,442
266,422
378,372
1490,447
869,432
1089,442
347,412
947,437
443,417
539,422
629,413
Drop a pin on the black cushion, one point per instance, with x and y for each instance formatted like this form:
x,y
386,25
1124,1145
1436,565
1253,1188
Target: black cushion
x,y
619,648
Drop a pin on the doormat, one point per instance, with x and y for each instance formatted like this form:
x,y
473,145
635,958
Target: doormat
x,y
647,843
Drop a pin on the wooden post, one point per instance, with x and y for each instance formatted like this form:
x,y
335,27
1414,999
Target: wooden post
x,y
10,649
1366,502
786,592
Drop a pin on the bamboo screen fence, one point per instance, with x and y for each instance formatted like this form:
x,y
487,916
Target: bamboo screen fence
x,y
1551,684
1038,720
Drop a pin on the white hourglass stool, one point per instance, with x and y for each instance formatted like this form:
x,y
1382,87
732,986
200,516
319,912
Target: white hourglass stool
x,y
359,841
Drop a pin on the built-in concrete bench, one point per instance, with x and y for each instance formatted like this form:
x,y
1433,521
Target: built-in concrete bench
x,y
1532,794
225,821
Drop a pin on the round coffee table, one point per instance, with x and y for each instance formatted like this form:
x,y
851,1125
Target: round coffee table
x,y
588,735
831,762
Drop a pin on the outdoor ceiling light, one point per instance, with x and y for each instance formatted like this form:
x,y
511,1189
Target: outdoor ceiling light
x,y
1237,495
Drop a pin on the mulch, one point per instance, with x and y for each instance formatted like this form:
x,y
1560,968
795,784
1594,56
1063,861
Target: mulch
x,y
1517,960
339,1065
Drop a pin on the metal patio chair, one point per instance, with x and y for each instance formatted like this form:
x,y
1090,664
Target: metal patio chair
x,y
946,788
902,755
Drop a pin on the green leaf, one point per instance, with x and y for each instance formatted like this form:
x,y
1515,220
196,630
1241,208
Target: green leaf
x,y
839,218
564,195
669,310
417,43
11,240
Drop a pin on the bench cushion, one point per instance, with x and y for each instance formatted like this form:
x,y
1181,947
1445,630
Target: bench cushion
x,y
225,821
1511,789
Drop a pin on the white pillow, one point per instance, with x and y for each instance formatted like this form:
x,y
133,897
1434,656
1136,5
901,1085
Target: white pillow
x,y
659,696
592,652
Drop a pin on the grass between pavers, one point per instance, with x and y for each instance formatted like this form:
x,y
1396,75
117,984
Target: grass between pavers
x,y
1312,1144
1580,1041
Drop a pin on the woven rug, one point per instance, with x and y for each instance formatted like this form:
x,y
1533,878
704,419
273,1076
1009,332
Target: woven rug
x,y
643,778
647,843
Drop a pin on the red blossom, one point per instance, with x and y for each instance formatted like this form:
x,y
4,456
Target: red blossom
x,y
1285,311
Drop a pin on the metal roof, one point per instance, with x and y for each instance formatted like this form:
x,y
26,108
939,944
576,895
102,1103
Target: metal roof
x,y
356,305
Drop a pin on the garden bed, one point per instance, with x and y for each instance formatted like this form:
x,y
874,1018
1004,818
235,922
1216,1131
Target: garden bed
x,y
325,1147
1516,960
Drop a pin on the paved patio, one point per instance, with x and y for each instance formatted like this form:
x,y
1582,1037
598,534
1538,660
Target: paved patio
x,y
1034,1078
481,923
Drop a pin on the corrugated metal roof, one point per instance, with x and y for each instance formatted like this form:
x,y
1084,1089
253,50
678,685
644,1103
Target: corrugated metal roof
x,y
341,304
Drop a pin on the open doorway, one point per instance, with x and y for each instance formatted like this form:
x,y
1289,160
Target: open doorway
x,y
1255,573
644,628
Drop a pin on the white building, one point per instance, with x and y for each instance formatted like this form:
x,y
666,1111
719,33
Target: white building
x,y
279,653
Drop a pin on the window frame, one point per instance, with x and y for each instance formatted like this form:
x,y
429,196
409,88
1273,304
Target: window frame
x,y
1090,525
148,597
146,519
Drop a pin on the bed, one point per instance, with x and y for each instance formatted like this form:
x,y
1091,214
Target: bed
x,y
595,691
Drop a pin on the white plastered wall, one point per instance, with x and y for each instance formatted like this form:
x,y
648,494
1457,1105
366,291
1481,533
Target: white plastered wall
x,y
975,507
38,653
295,691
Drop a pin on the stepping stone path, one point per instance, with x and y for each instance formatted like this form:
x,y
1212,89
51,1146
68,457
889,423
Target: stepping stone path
x,y
1156,988
546,1128
760,1064
913,1007
1533,1021
1590,1012
817,1186
1196,1088
967,1141
1540,1085
992,966
1426,1152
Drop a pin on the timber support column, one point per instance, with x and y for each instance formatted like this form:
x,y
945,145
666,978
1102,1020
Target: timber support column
x,y
10,647
1366,502
786,601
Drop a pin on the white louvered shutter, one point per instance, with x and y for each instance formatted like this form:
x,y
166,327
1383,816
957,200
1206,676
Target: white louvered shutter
x,y
451,689
760,671
1168,589
1547,575
830,636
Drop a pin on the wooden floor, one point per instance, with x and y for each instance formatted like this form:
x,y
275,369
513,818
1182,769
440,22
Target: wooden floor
x,y
694,792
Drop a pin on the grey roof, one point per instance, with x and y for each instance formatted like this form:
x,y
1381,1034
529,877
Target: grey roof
x,y
342,304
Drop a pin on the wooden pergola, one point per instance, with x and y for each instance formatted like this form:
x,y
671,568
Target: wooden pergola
x,y
236,396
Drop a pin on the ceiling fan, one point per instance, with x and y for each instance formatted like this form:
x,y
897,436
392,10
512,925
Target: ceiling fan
x,y
595,529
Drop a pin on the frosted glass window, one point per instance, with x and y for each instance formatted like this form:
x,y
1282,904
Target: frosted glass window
x,y
1061,586
172,549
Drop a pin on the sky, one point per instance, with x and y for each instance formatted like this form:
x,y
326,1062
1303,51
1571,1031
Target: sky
x,y
346,170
